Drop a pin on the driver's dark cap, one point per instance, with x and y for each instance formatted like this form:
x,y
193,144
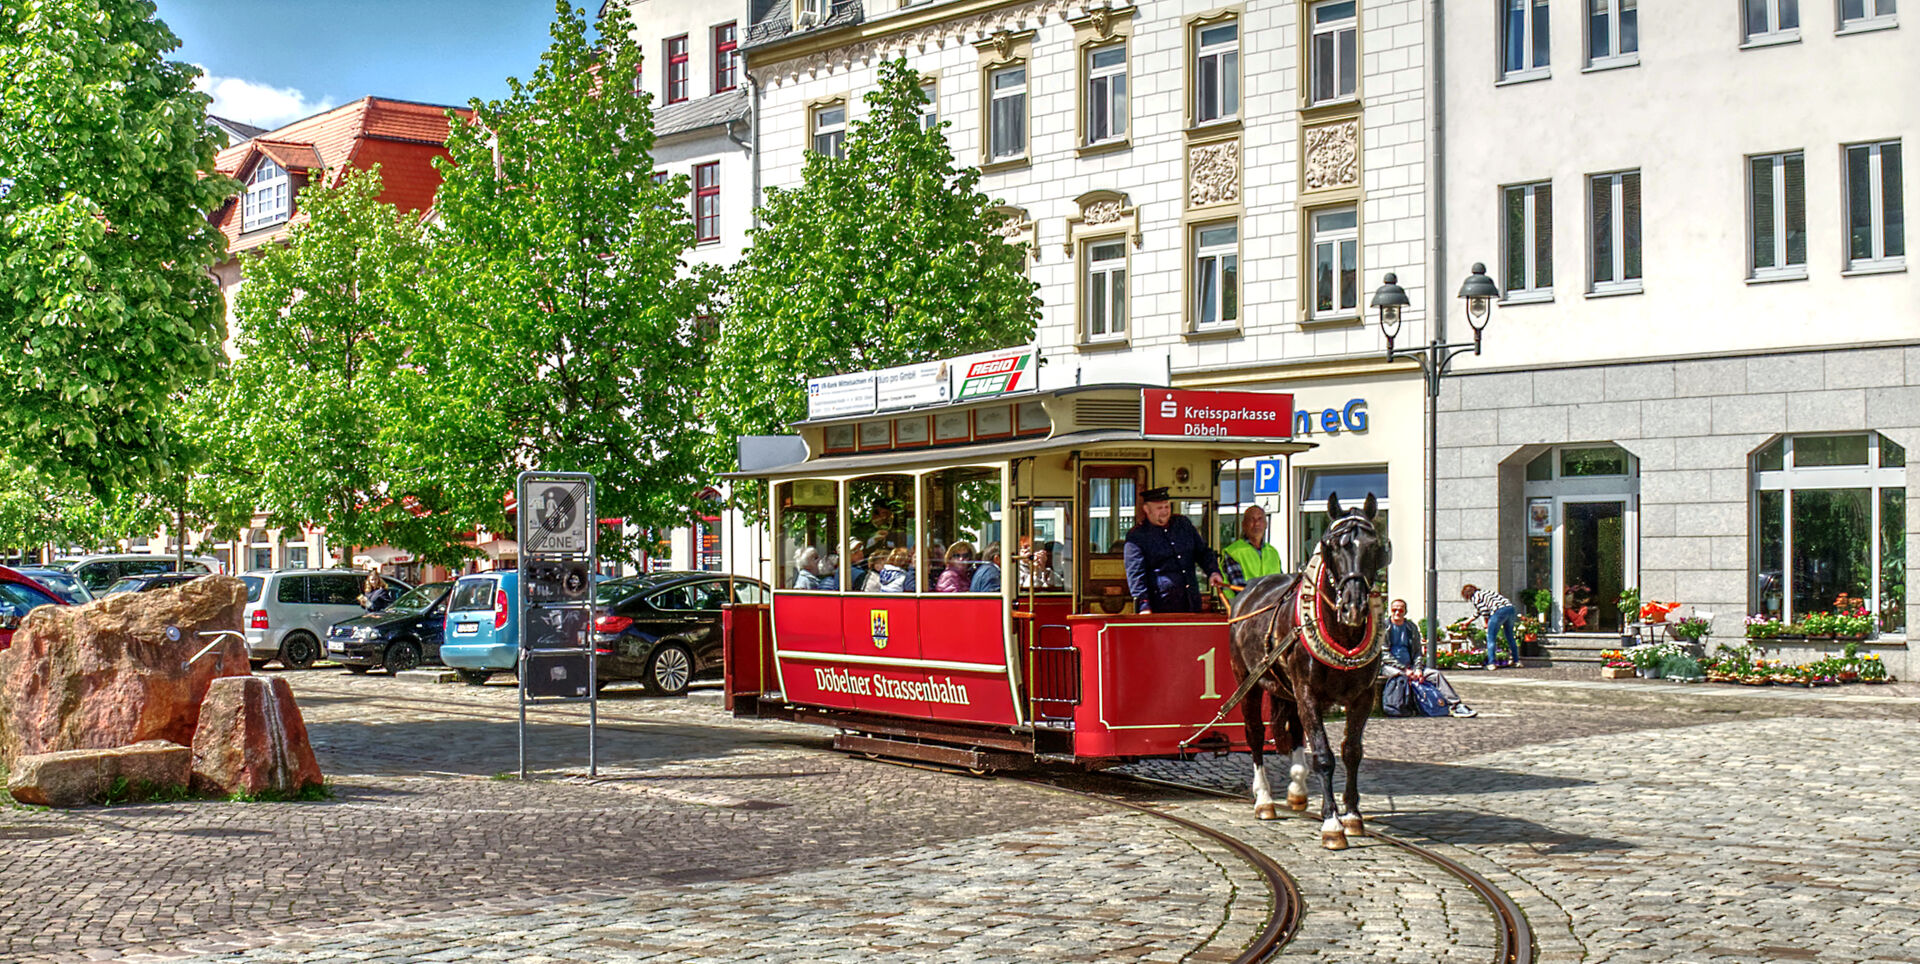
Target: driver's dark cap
x,y
1154,495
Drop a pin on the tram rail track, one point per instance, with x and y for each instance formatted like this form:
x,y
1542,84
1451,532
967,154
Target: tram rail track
x,y
1514,935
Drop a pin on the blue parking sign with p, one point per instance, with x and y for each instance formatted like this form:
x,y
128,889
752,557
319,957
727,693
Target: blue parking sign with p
x,y
1266,477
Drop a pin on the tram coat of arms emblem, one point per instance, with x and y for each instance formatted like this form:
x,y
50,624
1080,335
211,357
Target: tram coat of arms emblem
x,y
878,618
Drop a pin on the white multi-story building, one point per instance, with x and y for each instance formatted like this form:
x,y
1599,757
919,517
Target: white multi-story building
x,y
1704,378
1210,193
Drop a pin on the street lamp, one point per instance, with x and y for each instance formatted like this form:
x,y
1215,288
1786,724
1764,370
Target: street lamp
x,y
1479,292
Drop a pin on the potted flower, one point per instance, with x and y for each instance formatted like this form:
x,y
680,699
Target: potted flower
x,y
1529,629
1817,625
1629,602
1647,657
1614,664
1852,624
1691,629
1761,626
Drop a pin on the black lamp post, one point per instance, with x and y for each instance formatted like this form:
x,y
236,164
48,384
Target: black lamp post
x,y
1435,359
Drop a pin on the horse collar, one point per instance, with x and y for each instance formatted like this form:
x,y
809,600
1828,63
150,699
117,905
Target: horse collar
x,y
1313,613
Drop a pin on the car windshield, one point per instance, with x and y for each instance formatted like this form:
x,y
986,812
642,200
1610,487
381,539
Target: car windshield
x,y
420,599
62,565
62,583
125,585
253,587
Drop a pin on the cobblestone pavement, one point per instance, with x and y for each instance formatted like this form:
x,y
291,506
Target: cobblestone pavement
x,y
1637,824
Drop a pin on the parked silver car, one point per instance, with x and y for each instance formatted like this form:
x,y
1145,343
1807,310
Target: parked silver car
x,y
98,572
290,610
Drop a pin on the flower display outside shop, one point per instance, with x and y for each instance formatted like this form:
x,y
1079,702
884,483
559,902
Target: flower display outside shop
x,y
1692,629
1761,626
1655,611
1447,659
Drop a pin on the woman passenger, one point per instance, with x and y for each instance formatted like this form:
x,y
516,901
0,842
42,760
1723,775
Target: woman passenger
x,y
958,576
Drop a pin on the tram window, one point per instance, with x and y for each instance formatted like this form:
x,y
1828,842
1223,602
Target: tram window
x,y
964,531
880,513
1044,557
809,534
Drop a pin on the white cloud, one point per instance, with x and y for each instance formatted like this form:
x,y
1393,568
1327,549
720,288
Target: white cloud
x,y
257,104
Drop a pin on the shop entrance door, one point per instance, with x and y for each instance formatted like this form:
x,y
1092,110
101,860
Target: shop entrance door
x,y
1593,564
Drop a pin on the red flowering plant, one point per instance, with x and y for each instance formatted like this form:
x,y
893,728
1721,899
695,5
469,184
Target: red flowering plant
x,y
1656,612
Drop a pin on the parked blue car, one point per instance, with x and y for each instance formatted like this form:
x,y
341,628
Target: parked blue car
x,y
483,618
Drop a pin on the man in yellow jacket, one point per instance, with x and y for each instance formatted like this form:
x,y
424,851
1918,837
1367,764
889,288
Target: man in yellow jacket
x,y
1251,556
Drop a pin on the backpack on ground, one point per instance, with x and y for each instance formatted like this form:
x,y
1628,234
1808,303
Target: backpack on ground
x,y
1396,698
1427,697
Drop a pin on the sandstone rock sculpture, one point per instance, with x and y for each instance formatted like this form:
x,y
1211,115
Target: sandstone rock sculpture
x,y
252,739
73,778
106,674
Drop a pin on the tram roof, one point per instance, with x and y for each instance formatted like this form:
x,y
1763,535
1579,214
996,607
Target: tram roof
x,y
1019,448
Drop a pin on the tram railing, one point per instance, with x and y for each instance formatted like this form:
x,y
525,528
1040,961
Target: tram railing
x,y
1054,677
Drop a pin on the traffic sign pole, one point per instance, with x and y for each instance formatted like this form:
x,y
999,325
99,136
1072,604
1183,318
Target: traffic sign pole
x,y
558,528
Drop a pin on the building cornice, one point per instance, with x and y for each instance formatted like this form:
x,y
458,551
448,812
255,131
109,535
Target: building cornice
x,y
824,48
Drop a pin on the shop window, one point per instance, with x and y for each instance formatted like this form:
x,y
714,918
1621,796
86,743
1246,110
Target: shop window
x,y
296,557
965,538
1581,513
809,532
1352,485
880,516
260,557
1830,527
1236,495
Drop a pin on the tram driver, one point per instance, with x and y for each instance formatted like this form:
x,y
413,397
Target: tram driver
x,y
1161,552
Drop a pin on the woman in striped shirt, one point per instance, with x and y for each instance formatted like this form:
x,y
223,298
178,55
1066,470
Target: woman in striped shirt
x,y
1500,615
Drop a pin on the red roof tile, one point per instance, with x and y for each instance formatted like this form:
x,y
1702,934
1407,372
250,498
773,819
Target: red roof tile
x,y
402,137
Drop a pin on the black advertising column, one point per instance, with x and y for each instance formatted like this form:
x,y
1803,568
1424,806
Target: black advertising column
x,y
557,530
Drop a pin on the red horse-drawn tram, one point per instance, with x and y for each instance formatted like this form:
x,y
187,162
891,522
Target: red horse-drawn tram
x,y
949,583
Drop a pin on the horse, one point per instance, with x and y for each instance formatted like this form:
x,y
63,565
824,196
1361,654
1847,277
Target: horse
x,y
1330,654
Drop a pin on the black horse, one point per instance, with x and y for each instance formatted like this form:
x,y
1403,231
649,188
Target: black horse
x,y
1330,656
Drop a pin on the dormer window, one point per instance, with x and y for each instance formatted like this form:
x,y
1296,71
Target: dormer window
x,y
269,192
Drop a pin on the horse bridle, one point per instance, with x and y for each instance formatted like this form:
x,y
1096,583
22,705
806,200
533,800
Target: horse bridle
x,y
1366,584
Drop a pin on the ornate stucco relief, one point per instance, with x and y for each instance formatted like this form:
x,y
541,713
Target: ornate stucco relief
x,y
1332,157
1213,174
931,36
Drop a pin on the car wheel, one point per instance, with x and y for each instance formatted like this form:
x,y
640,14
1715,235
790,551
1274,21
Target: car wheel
x,y
298,651
358,670
402,656
474,677
669,669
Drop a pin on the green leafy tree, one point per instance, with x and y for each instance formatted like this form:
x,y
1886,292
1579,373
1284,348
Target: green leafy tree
x,y
107,311
320,418
884,257
562,278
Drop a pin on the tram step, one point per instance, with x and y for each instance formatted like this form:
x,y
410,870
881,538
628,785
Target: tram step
x,y
969,758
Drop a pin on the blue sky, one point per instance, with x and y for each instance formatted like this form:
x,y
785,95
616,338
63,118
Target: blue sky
x,y
274,61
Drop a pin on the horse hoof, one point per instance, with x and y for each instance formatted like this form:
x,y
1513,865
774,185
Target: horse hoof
x,y
1266,811
1297,804
1333,840
1353,826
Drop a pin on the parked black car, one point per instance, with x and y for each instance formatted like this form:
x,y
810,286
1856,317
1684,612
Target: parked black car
x,y
399,637
663,628
148,582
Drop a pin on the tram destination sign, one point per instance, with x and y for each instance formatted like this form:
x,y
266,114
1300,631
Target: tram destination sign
x,y
1176,414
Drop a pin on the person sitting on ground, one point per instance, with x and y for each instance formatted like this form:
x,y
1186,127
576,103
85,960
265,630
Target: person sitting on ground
x,y
958,575
1499,613
986,572
1251,556
1405,656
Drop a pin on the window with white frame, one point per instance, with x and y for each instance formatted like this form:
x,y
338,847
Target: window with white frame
x,y
1613,216
1216,72
1106,93
1528,241
1523,39
269,193
1007,113
1336,262
830,130
1777,215
1613,32
1772,20
930,111
1335,43
1216,275
1830,528
1856,14
1876,220
1106,289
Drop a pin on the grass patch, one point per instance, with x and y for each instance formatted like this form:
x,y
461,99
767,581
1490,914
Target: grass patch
x,y
505,775
124,791
310,793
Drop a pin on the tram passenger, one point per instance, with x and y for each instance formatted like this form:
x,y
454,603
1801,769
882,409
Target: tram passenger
x,y
828,571
986,573
806,567
957,576
856,565
1402,658
1036,565
1160,555
1250,556
896,575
